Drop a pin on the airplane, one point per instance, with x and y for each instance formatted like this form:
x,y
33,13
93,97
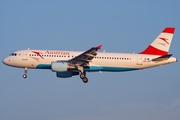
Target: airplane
x,y
71,63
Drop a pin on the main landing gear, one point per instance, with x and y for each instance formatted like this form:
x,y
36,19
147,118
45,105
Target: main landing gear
x,y
83,74
25,72
83,77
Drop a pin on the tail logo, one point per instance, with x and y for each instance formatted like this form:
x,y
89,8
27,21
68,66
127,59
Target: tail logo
x,y
164,39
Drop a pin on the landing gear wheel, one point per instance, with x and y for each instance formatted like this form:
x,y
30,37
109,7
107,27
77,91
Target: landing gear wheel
x,y
24,76
82,76
85,79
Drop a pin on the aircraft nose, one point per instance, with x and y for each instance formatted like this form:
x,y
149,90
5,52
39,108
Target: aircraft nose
x,y
5,61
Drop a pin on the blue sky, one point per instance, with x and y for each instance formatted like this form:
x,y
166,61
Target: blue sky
x,y
121,26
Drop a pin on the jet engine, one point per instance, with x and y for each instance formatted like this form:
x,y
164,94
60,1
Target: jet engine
x,y
62,66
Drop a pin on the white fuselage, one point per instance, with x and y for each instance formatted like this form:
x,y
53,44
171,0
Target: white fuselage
x,y
102,62
71,63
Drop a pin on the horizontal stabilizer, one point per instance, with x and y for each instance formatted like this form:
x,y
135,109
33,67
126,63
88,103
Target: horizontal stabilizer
x,y
164,57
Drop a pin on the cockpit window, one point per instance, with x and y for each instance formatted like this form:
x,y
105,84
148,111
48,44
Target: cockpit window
x,y
13,54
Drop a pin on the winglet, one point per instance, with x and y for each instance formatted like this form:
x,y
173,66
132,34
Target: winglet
x,y
99,47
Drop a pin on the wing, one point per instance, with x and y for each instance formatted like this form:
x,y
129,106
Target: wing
x,y
84,58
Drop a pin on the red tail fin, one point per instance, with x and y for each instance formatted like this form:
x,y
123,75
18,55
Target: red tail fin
x,y
161,45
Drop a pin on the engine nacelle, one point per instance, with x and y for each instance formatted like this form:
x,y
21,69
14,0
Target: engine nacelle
x,y
66,74
61,66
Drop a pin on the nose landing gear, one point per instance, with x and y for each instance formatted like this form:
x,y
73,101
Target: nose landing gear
x,y
25,72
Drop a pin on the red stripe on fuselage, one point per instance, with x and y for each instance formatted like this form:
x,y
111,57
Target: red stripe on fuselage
x,y
153,51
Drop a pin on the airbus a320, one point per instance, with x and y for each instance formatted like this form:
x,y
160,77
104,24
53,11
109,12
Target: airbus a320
x,y
71,63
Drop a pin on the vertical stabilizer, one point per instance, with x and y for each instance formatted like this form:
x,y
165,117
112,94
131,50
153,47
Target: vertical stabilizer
x,y
160,46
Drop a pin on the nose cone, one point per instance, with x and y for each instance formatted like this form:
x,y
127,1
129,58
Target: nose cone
x,y
5,61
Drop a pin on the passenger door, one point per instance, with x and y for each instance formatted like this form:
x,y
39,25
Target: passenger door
x,y
25,55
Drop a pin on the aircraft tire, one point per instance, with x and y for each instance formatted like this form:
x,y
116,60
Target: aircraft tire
x,y
82,76
24,76
85,79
